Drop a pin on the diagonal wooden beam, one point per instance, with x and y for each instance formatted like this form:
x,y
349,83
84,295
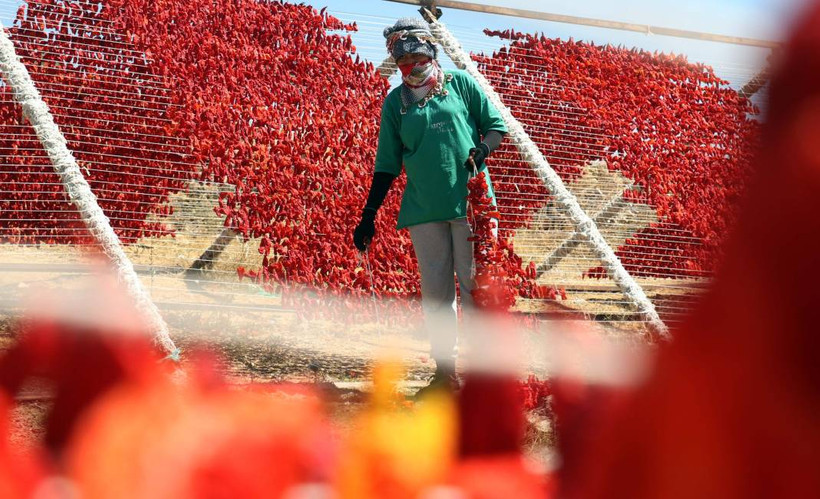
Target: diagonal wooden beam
x,y
597,23
387,68
207,259
567,246
755,84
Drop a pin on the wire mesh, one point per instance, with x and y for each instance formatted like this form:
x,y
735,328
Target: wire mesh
x,y
123,121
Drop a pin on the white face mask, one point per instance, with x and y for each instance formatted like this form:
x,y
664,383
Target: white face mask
x,y
421,74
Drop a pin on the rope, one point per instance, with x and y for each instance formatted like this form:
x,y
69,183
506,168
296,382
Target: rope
x,y
365,260
77,188
173,356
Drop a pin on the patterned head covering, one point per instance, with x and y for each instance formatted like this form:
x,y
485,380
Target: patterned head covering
x,y
410,35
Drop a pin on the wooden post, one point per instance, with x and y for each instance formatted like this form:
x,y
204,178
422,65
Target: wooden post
x,y
387,68
597,23
207,259
567,246
755,84
430,6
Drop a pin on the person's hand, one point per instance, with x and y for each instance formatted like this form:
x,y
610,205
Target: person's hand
x,y
364,232
477,157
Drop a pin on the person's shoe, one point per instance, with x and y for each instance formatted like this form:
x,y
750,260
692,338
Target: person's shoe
x,y
443,381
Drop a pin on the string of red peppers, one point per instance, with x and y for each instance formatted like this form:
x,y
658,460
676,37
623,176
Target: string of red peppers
x,y
500,277
674,127
232,76
285,111
111,106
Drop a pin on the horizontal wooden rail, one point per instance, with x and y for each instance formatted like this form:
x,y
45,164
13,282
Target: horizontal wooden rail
x,y
598,23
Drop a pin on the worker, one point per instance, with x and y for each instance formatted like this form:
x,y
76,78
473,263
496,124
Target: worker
x,y
441,127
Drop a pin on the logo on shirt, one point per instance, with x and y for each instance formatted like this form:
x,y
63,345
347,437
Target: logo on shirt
x,y
443,127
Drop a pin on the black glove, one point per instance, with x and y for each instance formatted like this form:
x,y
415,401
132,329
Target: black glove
x,y
478,155
365,230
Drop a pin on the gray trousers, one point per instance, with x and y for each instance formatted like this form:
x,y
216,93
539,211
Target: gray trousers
x,y
442,250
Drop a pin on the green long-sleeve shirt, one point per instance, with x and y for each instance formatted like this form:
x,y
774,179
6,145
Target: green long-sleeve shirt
x,y
433,143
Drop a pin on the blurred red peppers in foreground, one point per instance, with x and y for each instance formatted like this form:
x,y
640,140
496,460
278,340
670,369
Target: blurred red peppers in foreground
x,y
730,410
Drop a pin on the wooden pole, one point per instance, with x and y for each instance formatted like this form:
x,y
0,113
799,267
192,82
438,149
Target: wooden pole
x,y
387,68
598,23
755,84
207,259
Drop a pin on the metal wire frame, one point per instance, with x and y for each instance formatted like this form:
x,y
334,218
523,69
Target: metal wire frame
x,y
534,113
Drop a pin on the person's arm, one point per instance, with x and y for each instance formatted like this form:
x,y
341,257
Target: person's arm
x,y
378,190
388,167
367,226
493,139
489,122
478,154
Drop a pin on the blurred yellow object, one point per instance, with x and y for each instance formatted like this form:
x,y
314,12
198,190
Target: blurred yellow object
x,y
386,376
394,451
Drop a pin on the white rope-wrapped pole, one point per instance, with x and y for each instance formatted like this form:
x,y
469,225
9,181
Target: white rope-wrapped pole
x,y
530,153
77,188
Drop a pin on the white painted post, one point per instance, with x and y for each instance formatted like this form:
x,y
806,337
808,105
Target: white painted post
x,y
54,143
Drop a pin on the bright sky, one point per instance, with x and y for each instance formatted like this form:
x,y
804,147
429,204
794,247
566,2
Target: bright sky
x,y
751,18
766,19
